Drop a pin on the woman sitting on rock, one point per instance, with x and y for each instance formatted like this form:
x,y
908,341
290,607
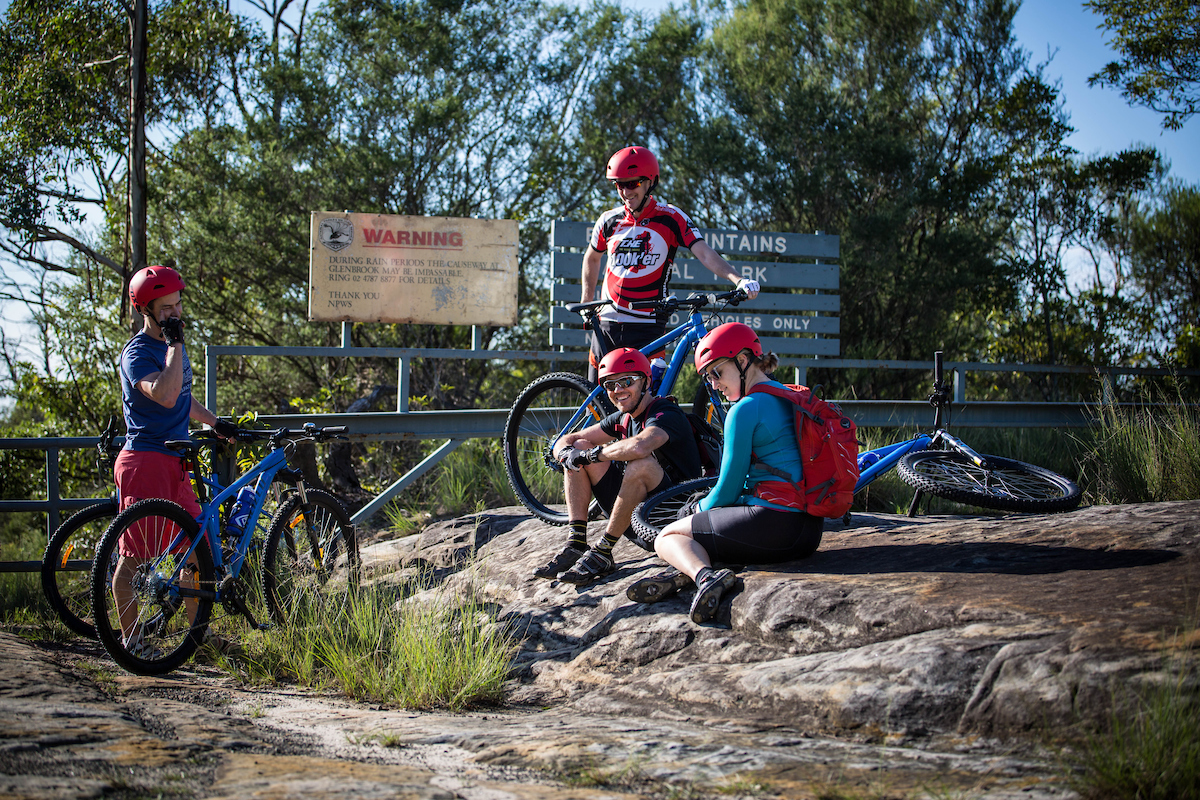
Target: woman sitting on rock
x,y
732,526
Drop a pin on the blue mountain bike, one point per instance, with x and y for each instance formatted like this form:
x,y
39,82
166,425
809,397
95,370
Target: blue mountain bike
x,y
562,403
935,463
158,572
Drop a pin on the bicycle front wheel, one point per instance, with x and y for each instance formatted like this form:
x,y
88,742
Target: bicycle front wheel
x,y
311,559
537,420
1004,485
67,564
660,510
147,612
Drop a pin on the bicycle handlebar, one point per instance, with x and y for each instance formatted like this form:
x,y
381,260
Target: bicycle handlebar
x,y
308,431
695,300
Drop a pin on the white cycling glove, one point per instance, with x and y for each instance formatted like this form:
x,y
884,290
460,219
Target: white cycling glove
x,y
750,287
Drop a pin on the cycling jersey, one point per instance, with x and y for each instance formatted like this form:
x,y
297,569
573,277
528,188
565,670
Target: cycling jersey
x,y
640,252
678,457
765,425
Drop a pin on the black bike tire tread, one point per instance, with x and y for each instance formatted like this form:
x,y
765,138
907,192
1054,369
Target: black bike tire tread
x,y
512,427
50,557
643,523
287,508
1070,499
204,562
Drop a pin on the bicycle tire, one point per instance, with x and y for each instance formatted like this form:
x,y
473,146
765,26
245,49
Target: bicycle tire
x,y
67,581
291,573
532,428
171,628
1006,485
658,511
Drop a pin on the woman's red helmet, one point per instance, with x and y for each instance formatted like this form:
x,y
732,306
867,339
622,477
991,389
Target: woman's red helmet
x,y
622,360
151,283
633,162
726,341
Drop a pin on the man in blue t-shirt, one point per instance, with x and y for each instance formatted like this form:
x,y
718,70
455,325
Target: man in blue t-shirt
x,y
156,397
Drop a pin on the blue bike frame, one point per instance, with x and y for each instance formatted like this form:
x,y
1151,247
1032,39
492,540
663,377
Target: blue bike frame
x,y
687,334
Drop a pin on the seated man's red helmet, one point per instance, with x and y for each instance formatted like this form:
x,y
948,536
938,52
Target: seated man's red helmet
x,y
622,360
726,341
151,283
631,163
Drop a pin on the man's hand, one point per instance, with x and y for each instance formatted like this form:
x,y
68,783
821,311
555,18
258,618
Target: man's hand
x,y
575,459
749,286
172,329
225,429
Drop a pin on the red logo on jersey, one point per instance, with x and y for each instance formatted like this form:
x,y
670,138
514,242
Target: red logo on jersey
x,y
634,253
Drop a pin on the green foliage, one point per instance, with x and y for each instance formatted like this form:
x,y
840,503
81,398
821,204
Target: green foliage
x,y
1150,454
383,648
1159,49
1150,747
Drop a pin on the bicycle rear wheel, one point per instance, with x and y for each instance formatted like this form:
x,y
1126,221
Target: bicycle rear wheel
x,y
311,558
1004,485
67,565
658,511
164,625
537,419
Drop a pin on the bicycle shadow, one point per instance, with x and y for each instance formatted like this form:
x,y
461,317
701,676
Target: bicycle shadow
x,y
1004,558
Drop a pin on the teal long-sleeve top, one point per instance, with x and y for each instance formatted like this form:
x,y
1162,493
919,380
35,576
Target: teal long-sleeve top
x,y
764,425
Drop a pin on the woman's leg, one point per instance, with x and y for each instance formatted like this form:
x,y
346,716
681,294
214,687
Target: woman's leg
x,y
676,546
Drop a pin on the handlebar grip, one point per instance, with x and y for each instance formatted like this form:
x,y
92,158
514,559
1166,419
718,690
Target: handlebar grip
x,y
938,371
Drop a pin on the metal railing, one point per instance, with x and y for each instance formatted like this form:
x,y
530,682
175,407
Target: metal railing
x,y
457,426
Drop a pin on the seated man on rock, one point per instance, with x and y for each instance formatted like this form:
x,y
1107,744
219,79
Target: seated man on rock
x,y
643,447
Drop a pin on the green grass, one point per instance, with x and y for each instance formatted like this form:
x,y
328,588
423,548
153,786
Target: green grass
x,y
1150,746
390,648
1145,455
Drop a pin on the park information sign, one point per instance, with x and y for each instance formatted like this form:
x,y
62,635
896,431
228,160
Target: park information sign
x,y
424,270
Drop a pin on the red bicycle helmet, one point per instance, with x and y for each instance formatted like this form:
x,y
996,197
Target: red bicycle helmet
x,y
151,283
633,162
624,359
726,341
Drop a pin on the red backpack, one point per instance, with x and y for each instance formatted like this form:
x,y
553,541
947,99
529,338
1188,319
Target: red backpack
x,y
828,454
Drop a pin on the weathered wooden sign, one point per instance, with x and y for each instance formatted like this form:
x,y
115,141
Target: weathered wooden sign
x,y
423,270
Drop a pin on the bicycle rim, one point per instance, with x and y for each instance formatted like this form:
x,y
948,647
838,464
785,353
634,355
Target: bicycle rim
x,y
67,564
537,419
310,565
660,510
143,620
1004,485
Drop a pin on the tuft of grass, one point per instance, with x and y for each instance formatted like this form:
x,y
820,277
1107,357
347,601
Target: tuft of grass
x,y
419,653
1146,454
1150,749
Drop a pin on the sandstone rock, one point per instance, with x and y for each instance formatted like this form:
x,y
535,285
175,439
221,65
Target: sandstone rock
x,y
896,627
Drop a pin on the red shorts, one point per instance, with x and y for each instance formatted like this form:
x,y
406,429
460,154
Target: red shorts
x,y
141,475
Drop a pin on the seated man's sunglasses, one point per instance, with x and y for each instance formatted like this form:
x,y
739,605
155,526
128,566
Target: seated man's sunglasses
x,y
619,383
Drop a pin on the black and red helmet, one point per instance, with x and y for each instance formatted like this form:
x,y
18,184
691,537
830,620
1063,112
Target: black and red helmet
x,y
151,283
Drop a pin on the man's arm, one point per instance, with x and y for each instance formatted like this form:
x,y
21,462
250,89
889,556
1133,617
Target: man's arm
x,y
635,447
164,387
583,440
720,267
201,414
590,275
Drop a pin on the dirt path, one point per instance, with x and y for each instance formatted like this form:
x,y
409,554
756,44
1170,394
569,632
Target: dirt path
x,y
75,726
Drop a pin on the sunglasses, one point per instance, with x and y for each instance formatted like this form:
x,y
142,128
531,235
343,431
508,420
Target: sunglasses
x,y
629,184
713,374
619,383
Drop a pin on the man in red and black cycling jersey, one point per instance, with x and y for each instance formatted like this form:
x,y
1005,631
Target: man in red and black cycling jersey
x,y
640,237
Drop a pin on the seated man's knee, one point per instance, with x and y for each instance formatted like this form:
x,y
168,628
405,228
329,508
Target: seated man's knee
x,y
646,472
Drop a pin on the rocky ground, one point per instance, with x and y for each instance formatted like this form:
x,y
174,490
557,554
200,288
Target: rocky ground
x,y
936,657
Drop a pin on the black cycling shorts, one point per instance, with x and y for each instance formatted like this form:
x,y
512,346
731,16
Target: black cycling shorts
x,y
756,534
605,490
